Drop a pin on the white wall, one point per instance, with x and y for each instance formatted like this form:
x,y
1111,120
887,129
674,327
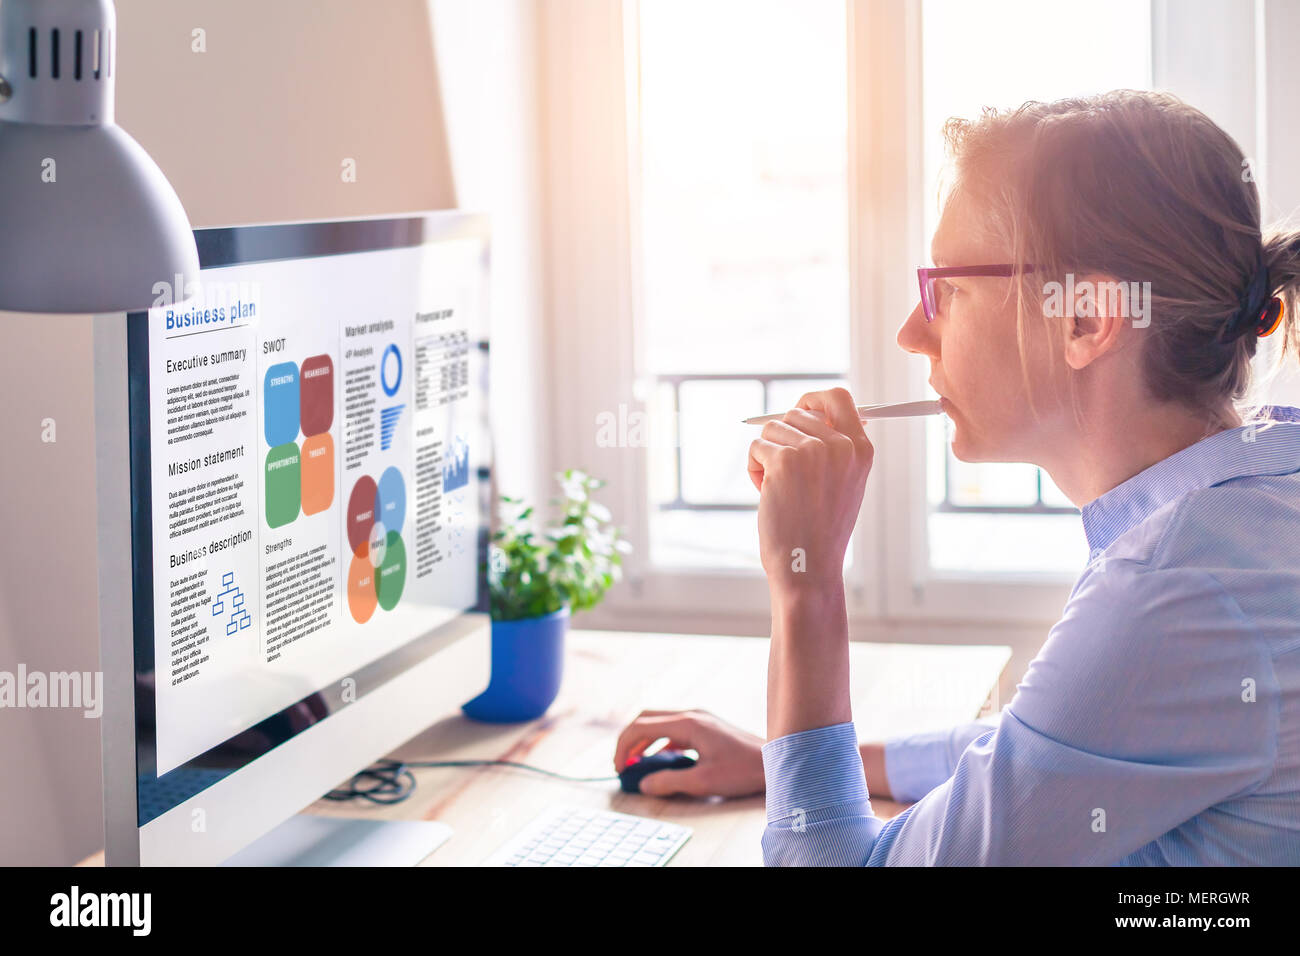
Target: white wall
x,y
257,127
49,788
252,130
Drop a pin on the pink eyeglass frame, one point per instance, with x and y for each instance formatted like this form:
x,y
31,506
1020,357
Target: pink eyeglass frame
x,y
925,277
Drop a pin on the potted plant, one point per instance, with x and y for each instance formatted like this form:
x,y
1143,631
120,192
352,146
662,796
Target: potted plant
x,y
535,584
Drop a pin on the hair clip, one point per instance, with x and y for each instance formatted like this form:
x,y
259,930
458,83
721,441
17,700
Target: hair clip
x,y
1271,317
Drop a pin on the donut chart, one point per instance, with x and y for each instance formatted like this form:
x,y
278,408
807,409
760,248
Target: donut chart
x,y
375,515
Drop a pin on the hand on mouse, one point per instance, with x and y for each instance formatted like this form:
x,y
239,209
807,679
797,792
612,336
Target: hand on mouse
x,y
730,764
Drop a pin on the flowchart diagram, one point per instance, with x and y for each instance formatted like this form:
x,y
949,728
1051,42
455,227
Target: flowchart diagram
x,y
239,617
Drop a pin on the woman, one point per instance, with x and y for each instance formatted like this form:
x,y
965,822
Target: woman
x,y
1124,288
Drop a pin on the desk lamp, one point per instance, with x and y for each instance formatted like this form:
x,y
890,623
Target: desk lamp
x,y
88,222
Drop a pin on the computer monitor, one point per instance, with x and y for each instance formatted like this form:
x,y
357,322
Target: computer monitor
x,y
292,480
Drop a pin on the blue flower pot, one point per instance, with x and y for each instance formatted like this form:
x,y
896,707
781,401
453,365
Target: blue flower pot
x,y
527,664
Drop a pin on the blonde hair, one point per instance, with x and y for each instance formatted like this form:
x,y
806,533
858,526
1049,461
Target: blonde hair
x,y
1145,188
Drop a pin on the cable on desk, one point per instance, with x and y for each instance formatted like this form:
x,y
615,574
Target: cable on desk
x,y
391,781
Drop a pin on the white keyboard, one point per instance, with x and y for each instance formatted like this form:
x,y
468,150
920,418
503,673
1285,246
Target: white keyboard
x,y
581,836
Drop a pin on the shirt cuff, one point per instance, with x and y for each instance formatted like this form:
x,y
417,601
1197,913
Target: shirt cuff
x,y
813,770
917,763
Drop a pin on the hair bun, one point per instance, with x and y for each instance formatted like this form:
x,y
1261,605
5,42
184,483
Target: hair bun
x,y
1253,307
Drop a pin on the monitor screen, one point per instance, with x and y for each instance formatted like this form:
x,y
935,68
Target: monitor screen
x,y
307,472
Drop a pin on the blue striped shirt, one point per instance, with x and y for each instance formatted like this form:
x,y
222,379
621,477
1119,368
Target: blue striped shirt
x,y
1159,723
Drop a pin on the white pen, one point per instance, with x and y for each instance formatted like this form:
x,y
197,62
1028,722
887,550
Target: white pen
x,y
867,412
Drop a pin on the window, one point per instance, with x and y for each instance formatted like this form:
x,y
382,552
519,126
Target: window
x,y
743,193
740,140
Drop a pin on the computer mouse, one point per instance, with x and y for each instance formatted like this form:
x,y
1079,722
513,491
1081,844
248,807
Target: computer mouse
x,y
630,776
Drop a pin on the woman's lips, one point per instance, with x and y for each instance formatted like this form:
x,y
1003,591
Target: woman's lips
x,y
944,405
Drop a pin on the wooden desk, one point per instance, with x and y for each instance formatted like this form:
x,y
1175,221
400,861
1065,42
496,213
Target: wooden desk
x,y
610,677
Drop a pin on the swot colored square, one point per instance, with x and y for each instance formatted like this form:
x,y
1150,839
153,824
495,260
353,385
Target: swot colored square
x,y
283,484
280,399
316,394
317,473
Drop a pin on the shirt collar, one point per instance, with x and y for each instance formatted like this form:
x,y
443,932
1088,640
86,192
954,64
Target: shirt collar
x,y
1235,453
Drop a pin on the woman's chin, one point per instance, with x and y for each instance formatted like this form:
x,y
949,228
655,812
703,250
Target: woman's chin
x,y
974,449
964,446
961,449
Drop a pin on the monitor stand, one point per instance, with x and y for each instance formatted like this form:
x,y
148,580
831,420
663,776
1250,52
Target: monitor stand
x,y
308,840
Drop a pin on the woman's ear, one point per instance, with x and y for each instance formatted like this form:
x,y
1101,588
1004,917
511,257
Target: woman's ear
x,y
1095,313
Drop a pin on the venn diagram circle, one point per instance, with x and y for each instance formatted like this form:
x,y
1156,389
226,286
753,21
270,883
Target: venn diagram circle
x,y
377,574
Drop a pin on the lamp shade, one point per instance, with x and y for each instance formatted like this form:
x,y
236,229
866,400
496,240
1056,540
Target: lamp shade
x,y
88,222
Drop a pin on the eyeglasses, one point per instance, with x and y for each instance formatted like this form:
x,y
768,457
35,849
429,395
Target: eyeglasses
x,y
931,290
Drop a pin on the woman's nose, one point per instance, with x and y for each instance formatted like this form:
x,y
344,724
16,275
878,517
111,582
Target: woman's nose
x,y
918,335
